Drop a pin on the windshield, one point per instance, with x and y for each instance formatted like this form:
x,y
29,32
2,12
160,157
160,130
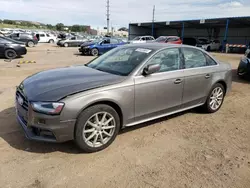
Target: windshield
x,y
161,39
203,41
120,61
137,38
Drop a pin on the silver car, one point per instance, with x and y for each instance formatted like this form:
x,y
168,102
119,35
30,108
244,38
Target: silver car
x,y
126,86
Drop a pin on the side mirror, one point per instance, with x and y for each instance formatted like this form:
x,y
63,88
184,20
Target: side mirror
x,y
150,69
100,43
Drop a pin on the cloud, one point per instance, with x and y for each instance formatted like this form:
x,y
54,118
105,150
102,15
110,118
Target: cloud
x,y
122,11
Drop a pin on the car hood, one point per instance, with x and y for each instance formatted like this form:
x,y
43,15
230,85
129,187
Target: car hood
x,y
55,84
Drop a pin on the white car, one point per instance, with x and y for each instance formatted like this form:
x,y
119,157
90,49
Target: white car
x,y
45,37
214,45
142,39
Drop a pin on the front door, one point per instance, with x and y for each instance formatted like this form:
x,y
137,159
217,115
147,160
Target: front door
x,y
105,46
198,77
160,92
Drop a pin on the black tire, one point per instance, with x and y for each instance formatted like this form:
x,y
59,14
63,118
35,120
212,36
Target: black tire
x,y
82,121
207,107
10,54
94,52
51,41
208,49
30,44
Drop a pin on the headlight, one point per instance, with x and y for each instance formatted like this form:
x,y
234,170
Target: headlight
x,y
51,108
22,45
86,47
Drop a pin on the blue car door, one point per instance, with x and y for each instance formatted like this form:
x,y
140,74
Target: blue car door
x,y
105,46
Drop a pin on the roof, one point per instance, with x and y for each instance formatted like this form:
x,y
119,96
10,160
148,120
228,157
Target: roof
x,y
156,45
210,22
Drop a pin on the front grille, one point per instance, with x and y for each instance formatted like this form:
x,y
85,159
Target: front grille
x,y
25,100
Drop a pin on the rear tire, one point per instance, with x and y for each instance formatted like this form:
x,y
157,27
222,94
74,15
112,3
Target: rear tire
x,y
94,52
91,132
208,49
215,99
30,44
10,54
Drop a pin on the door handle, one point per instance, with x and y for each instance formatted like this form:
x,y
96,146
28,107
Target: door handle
x,y
207,76
178,81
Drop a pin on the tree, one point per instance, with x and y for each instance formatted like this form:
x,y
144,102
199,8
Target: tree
x,y
9,22
49,26
76,28
1,21
59,26
123,29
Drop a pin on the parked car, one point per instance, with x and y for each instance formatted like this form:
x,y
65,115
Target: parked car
x,y
11,49
142,39
169,39
213,45
30,40
244,66
126,86
45,37
198,42
75,41
99,47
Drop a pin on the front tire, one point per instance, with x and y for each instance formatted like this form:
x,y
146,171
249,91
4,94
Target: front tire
x,y
94,52
96,128
66,45
215,99
10,54
51,41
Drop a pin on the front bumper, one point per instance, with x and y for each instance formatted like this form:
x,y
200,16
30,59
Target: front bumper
x,y
243,68
85,51
41,127
21,51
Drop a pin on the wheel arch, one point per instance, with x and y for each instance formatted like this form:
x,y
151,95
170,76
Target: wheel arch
x,y
110,103
223,83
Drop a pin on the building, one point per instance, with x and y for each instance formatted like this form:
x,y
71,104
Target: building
x,y
232,30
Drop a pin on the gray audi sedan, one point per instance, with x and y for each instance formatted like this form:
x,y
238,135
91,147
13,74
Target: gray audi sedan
x,y
128,85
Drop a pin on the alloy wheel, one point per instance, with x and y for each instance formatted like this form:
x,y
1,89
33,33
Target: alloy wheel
x,y
216,98
99,129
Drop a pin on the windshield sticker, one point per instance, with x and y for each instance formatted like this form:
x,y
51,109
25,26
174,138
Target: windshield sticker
x,y
143,50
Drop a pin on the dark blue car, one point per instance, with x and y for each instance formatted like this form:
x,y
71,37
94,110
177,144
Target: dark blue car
x,y
99,47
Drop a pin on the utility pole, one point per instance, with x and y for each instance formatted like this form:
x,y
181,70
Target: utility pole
x,y
153,20
108,16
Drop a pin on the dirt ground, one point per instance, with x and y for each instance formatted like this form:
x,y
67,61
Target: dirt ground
x,y
187,150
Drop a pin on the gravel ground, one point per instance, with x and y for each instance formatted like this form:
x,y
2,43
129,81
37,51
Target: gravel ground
x,y
187,150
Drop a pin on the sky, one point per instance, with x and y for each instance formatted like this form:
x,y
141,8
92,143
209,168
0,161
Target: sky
x,y
122,12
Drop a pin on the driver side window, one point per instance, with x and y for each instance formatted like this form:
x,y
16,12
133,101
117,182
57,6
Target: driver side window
x,y
168,59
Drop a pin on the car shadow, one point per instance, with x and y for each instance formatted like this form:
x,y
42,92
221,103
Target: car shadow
x,y
12,133
236,78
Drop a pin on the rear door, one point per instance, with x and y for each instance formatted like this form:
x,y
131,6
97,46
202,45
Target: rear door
x,y
198,76
42,37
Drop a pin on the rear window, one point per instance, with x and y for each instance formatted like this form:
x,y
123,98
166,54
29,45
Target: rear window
x,y
161,39
171,39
